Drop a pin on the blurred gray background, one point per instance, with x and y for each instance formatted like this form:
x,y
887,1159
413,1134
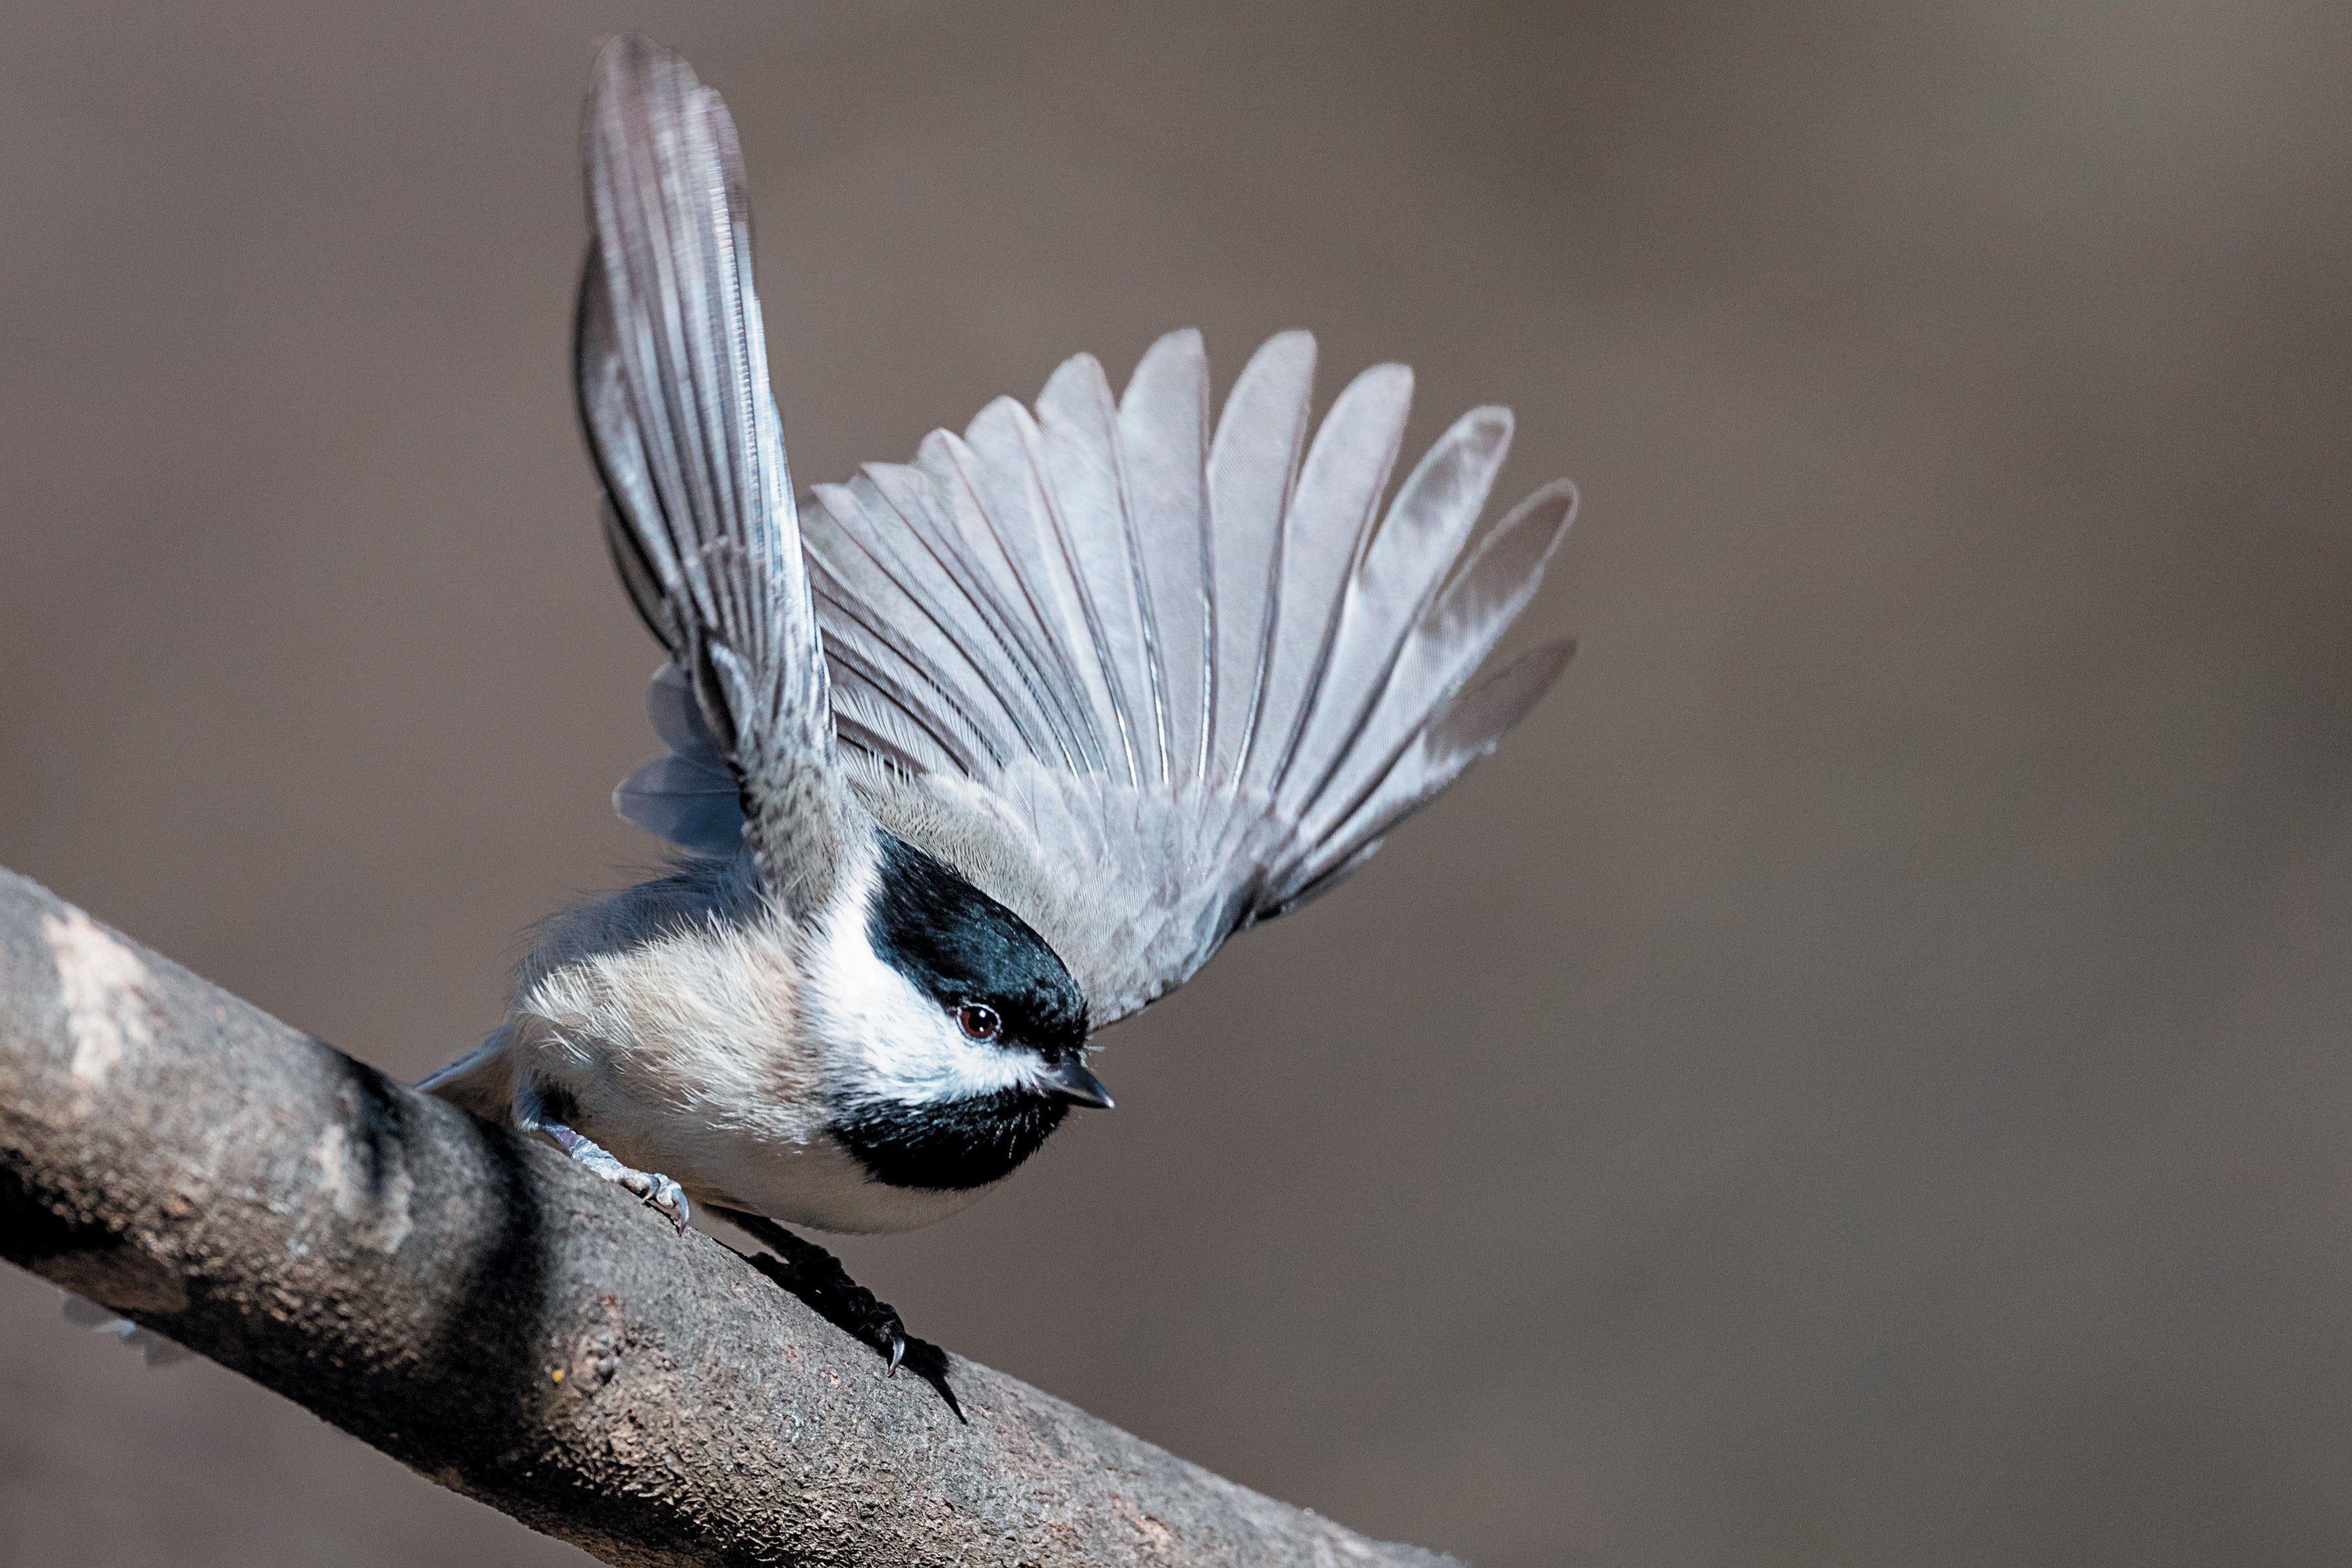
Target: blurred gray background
x,y
1861,1077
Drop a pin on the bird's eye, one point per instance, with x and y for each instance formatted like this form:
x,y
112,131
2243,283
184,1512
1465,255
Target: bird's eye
x,y
979,1022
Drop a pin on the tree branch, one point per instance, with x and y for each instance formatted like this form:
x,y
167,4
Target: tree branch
x,y
498,1319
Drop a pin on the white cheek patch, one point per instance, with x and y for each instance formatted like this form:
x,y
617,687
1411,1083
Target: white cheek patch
x,y
884,1039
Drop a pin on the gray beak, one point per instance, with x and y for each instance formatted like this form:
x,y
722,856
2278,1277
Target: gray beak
x,y
1074,1085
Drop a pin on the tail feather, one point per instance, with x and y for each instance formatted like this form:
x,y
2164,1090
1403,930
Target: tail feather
x,y
481,1081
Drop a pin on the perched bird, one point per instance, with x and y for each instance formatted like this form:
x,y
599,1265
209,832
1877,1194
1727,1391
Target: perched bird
x,y
973,756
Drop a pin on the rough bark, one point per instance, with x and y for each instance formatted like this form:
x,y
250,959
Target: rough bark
x,y
475,1305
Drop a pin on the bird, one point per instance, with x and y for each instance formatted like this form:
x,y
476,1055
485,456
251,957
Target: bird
x,y
971,757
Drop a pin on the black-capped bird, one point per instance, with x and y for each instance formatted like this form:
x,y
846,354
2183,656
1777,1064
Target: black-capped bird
x,y
972,756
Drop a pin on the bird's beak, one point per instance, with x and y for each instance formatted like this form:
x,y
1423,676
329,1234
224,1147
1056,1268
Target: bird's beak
x,y
1072,1084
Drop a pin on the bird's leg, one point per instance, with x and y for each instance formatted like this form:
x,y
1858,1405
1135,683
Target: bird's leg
x,y
659,1191
817,1278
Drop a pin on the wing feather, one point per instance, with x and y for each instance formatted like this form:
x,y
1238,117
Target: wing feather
x,y
1253,470
1451,639
884,727
990,581
1163,431
1401,570
943,514
873,633
673,380
1467,728
1323,532
995,460
1076,448
895,522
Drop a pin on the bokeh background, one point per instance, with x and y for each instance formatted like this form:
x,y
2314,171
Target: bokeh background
x,y
1861,1077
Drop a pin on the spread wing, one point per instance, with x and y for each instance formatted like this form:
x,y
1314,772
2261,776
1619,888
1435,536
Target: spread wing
x,y
673,384
1147,684
1143,683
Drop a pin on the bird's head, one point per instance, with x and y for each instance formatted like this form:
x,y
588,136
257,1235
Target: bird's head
x,y
954,1039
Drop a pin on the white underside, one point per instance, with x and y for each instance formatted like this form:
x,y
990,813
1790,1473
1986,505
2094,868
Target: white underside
x,y
821,1185
804,1178
711,1055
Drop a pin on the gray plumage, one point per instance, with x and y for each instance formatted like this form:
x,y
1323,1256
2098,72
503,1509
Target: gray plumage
x,y
1070,695
673,379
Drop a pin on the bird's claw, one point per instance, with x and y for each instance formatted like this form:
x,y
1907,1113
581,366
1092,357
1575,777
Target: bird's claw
x,y
816,1277
662,1196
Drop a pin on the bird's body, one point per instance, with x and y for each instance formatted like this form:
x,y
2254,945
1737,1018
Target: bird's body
x,y
970,757
787,1069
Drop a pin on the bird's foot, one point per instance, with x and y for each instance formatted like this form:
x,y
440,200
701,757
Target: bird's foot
x,y
817,1278
660,1194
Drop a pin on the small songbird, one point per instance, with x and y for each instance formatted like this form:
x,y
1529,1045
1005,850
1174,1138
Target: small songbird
x,y
971,757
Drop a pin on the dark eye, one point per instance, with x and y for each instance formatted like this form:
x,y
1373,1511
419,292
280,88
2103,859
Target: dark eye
x,y
980,1021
